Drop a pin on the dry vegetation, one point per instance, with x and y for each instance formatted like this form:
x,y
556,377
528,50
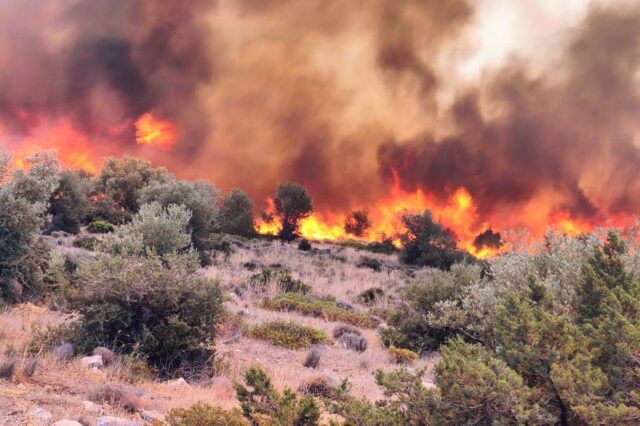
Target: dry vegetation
x,y
332,272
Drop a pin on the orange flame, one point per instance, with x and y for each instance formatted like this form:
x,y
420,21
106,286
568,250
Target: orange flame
x,y
154,132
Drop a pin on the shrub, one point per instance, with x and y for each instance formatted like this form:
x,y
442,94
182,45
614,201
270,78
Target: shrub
x,y
86,242
291,204
157,307
263,405
100,227
290,334
319,385
370,262
344,329
304,245
7,368
402,356
282,278
353,342
235,214
69,205
385,246
205,415
197,197
427,243
122,179
314,307
313,357
356,223
370,296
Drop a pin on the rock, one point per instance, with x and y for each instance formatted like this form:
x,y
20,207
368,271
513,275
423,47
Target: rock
x,y
94,361
344,305
116,421
382,328
375,320
40,415
178,383
107,355
15,287
63,352
66,423
151,416
92,408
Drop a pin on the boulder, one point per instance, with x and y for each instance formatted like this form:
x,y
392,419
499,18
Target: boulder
x,y
116,421
107,355
94,361
92,408
179,383
40,415
66,423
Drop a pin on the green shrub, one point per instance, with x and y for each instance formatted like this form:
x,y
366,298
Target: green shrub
x,y
100,227
265,406
311,306
235,214
371,263
291,205
304,245
205,415
159,308
290,334
402,356
282,278
86,242
69,205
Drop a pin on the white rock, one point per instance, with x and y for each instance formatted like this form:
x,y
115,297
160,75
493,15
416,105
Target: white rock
x,y
91,407
116,421
150,416
40,415
92,361
178,383
66,423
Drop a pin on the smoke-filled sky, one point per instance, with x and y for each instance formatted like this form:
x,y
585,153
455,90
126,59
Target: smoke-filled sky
x,y
532,106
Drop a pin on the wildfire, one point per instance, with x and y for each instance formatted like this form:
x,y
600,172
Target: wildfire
x,y
154,132
458,213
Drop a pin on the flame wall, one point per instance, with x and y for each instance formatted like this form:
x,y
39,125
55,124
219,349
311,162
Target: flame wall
x,y
340,95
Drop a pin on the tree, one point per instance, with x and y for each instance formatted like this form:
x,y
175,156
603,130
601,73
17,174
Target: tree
x,y
292,204
121,180
235,214
69,205
427,243
198,197
356,223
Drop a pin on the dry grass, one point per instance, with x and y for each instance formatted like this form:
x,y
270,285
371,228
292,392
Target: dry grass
x,y
60,386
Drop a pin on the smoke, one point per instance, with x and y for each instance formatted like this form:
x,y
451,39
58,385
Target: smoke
x,y
337,95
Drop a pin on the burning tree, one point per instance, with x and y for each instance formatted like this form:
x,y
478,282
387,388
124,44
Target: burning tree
x,y
357,223
292,204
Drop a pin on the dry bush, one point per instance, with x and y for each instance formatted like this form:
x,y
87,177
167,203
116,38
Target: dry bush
x,y
205,415
7,368
319,385
312,359
344,329
402,356
354,342
108,357
119,396
29,367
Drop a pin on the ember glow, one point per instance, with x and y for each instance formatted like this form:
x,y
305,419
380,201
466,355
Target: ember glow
x,y
496,115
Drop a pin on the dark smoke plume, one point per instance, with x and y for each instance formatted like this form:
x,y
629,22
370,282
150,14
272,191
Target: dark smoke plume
x,y
337,95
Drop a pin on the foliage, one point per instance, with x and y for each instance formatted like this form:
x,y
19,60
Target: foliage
x,y
356,223
235,214
264,406
434,310
157,307
23,202
344,329
312,360
290,334
86,242
282,278
353,342
205,415
314,307
291,204
69,205
427,243
402,356
196,196
154,229
122,179
304,245
100,227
